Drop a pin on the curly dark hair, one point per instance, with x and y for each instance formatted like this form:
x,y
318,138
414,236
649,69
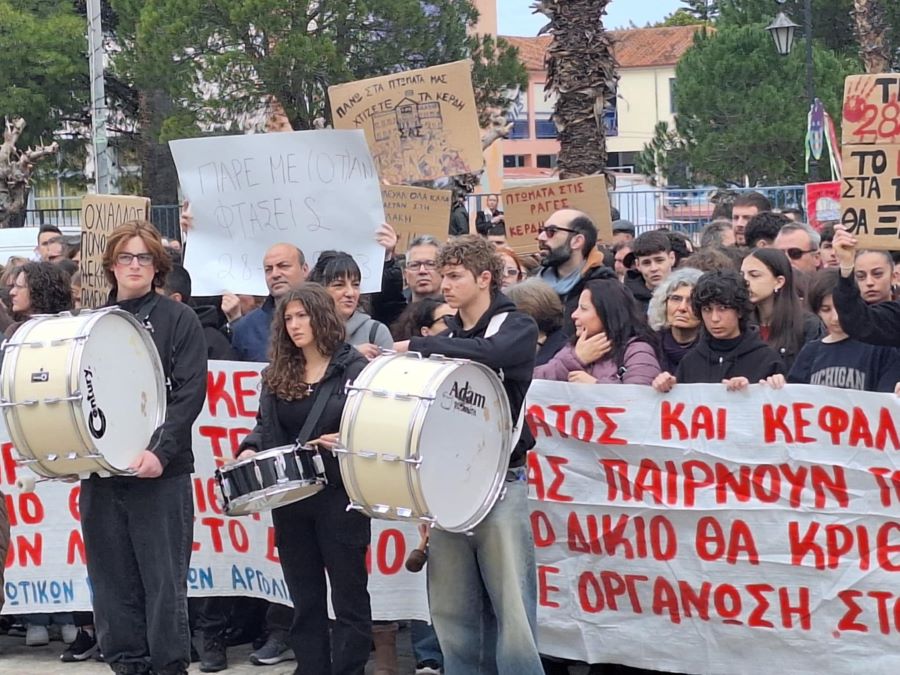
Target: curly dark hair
x,y
476,254
49,287
726,288
415,317
286,373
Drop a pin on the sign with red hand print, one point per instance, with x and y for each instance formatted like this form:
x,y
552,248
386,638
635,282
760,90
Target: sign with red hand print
x,y
871,110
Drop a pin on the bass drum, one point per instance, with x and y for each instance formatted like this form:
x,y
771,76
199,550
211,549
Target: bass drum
x,y
425,439
81,394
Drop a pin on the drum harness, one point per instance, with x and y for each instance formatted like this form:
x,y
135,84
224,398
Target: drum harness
x,y
143,317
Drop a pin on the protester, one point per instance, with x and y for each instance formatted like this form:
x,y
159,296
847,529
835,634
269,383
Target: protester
x,y
138,529
513,269
718,233
877,324
763,228
801,244
874,272
744,207
490,217
178,287
613,343
826,248
569,259
836,360
542,304
425,317
728,351
51,246
671,315
621,253
459,216
339,274
654,259
623,231
310,359
783,323
709,259
483,582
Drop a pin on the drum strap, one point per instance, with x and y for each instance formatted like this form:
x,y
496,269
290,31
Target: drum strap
x,y
492,328
143,314
320,398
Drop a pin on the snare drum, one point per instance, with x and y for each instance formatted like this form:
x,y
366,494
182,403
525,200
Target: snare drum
x,y
81,394
269,479
425,439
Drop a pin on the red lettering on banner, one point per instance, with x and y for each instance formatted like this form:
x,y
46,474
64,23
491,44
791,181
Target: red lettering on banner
x,y
552,493
8,463
609,426
272,548
75,548
840,541
757,614
665,601
544,586
242,395
885,478
542,529
789,423
536,422
695,601
214,525
22,549
631,534
857,617
801,610
394,539
848,622
727,601
216,391
704,422
582,424
74,509
712,543
595,593
24,508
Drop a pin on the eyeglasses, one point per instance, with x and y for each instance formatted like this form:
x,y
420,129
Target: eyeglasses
x,y
416,264
511,272
679,299
797,253
144,259
551,230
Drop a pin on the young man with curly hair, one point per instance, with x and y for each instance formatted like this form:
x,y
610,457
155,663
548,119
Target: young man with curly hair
x,y
482,584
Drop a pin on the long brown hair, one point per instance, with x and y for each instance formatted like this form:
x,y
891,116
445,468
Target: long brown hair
x,y
286,371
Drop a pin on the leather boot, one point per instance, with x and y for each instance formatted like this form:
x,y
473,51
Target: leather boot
x,y
385,638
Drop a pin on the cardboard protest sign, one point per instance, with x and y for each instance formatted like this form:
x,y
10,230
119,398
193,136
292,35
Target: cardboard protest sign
x,y
100,215
414,211
871,110
823,203
317,190
231,556
420,124
870,194
729,527
526,208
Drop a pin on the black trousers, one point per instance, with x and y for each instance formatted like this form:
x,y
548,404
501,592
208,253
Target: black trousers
x,y
315,535
137,538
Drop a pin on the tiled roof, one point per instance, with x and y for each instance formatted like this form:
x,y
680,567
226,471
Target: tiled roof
x,y
634,48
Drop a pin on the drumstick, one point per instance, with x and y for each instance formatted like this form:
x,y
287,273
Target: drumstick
x,y
419,555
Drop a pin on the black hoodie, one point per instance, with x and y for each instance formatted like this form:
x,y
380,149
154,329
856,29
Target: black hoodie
x,y
716,360
509,352
217,345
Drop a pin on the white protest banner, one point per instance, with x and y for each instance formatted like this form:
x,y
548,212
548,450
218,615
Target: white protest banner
x,y
318,190
703,531
231,556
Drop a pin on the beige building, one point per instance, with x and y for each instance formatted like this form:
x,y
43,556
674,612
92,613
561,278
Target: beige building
x,y
647,58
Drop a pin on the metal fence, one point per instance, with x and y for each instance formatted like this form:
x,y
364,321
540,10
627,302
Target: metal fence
x,y
165,218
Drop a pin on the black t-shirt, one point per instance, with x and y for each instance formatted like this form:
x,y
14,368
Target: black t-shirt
x,y
292,414
847,364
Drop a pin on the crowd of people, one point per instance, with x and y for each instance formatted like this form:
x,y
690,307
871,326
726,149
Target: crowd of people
x,y
759,297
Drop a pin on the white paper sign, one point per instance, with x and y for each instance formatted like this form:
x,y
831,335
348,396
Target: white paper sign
x,y
315,189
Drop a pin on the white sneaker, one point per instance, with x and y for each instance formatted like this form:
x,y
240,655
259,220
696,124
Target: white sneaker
x,y
36,636
69,633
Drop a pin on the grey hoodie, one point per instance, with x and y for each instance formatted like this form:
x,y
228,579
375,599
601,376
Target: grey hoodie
x,y
361,327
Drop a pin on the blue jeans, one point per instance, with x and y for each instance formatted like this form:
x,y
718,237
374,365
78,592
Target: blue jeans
x,y
425,645
482,589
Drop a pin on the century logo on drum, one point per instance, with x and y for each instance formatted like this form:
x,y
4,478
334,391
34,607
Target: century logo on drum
x,y
97,420
464,399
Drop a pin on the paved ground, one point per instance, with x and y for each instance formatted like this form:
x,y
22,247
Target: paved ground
x,y
17,659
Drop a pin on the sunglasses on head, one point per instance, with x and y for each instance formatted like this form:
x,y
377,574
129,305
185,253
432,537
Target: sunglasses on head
x,y
797,253
551,230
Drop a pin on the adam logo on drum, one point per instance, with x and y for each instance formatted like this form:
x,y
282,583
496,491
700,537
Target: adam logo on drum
x,y
97,420
464,399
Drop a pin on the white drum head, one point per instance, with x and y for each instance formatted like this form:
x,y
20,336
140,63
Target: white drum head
x,y
464,446
122,383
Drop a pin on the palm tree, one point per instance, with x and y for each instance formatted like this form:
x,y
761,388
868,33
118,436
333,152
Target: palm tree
x,y
581,72
871,32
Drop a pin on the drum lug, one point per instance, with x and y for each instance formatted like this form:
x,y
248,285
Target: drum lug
x,y
61,341
353,506
11,404
502,495
59,399
403,512
415,461
381,508
368,454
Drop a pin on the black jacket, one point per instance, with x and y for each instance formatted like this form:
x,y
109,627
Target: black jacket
x,y
634,282
218,346
346,365
877,324
749,357
509,352
388,304
483,224
178,336
459,220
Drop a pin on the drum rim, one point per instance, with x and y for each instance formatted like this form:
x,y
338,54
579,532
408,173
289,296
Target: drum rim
x,y
232,504
266,454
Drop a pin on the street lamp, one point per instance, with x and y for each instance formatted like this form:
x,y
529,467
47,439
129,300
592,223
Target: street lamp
x,y
782,31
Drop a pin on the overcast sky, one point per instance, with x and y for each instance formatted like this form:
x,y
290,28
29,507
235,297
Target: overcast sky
x,y
515,16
